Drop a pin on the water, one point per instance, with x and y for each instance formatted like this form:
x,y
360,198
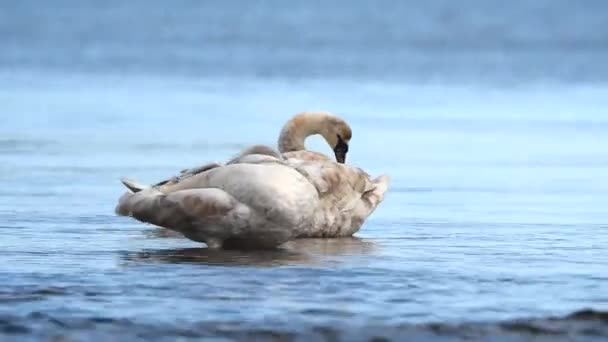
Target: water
x,y
490,119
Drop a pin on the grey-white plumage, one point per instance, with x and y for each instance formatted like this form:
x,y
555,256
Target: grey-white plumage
x,y
261,198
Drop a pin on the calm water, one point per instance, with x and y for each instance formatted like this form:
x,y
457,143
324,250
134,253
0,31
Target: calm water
x,y
490,118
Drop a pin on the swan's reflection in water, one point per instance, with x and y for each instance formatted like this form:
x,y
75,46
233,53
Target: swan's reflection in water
x,y
296,252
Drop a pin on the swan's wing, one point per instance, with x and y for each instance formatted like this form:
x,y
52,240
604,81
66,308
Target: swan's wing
x,y
173,209
355,185
205,215
339,186
344,187
334,178
347,197
352,192
274,202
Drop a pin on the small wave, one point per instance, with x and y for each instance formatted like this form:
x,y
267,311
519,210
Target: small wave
x,y
584,325
26,295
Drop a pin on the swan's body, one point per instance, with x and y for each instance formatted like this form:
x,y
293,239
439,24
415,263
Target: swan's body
x,y
261,198
244,205
260,203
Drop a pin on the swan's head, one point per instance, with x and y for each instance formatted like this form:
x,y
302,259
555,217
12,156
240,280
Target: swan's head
x,y
337,133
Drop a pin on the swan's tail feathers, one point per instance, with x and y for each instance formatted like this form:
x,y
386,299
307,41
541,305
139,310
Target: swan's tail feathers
x,y
133,185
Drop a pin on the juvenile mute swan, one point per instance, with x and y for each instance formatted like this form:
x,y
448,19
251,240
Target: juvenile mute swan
x,y
263,198
260,201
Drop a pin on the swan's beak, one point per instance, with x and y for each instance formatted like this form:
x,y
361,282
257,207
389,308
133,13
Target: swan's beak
x,y
340,151
340,157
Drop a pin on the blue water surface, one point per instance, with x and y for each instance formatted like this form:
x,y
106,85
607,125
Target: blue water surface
x,y
489,117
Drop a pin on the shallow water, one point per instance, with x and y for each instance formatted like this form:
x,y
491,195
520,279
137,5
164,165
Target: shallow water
x,y
494,228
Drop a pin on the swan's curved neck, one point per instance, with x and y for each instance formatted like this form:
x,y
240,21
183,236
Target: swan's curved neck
x,y
300,127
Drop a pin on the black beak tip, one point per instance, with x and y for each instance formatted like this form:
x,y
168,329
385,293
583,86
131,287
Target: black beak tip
x,y
340,158
340,150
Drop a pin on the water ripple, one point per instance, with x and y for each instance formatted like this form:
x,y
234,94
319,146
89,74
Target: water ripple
x,y
584,325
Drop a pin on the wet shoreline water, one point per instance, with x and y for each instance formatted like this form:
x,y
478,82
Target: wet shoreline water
x,y
489,218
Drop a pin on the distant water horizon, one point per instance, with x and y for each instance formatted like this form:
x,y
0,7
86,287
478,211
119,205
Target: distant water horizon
x,y
434,41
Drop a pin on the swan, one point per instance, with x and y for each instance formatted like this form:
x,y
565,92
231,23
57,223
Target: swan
x,y
259,201
262,197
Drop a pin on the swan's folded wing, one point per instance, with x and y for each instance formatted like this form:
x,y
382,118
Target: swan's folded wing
x,y
360,180
358,185
185,211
